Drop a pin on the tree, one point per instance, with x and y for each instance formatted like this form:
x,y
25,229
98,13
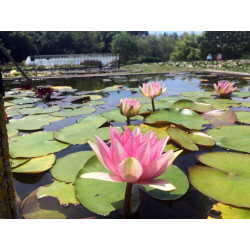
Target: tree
x,y
186,48
231,44
125,45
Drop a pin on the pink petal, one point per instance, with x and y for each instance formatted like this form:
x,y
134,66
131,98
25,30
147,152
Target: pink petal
x,y
120,153
130,170
106,155
102,176
142,154
161,144
159,184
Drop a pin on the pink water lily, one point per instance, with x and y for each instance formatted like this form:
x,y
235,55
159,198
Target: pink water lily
x,y
133,158
224,88
152,89
129,107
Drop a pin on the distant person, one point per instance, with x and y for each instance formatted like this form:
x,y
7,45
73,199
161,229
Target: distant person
x,y
209,57
219,56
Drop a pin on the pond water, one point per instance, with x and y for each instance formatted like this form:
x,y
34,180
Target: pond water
x,y
193,204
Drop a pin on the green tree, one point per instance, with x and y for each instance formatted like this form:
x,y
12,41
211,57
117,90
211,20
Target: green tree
x,y
186,48
125,45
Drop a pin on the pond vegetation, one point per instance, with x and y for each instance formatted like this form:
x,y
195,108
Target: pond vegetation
x,y
51,159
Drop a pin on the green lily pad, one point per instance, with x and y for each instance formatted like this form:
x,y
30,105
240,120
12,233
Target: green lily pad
x,y
34,145
17,162
27,124
170,146
201,107
25,100
11,113
64,192
44,117
38,110
232,137
184,117
112,88
8,104
245,104
87,130
220,103
220,117
158,105
36,165
114,115
76,112
67,167
94,103
102,197
198,93
227,179
242,94
231,212
142,99
31,209
189,140
176,177
11,131
243,116
95,97
176,98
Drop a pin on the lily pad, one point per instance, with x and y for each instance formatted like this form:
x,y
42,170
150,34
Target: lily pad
x,y
36,165
26,100
67,167
38,110
220,103
11,131
158,105
176,177
227,179
8,104
232,137
76,112
102,197
142,99
231,212
220,117
243,116
64,192
95,97
245,104
112,88
114,115
86,130
27,124
17,162
201,107
242,94
11,113
94,103
198,93
189,140
184,117
34,145
43,117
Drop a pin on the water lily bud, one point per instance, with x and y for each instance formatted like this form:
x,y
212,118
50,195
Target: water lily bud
x,y
129,107
152,89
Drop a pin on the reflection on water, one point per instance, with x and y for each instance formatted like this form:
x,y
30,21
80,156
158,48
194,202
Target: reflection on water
x,y
193,204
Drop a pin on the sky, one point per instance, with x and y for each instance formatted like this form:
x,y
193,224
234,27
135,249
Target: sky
x,y
171,32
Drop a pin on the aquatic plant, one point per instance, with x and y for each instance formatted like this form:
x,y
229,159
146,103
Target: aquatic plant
x,y
129,107
152,90
133,158
224,88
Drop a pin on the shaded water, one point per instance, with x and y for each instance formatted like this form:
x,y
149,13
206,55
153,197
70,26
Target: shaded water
x,y
193,204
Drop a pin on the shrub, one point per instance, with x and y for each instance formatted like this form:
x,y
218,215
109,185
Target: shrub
x,y
90,63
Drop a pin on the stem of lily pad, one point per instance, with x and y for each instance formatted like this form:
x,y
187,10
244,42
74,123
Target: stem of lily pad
x,y
126,208
128,121
153,104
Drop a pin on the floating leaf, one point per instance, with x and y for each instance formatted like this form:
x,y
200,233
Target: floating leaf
x,y
201,107
198,93
27,124
184,117
243,116
76,112
25,100
11,113
158,105
64,192
8,104
38,110
95,97
43,117
94,103
67,167
242,94
102,197
34,145
188,140
232,137
112,88
17,162
220,103
36,165
227,179
176,177
142,99
245,104
231,212
114,115
11,131
220,117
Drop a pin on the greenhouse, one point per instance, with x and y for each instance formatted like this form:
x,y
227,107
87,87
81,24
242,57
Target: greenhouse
x,y
107,59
